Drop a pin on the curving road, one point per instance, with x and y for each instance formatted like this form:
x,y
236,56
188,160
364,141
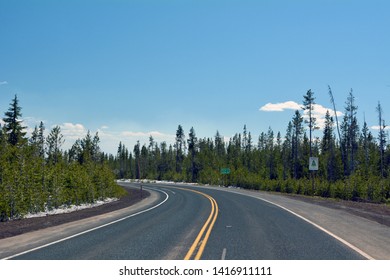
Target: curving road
x,y
248,228
245,228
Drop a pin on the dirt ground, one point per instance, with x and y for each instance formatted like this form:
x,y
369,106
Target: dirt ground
x,y
376,212
16,227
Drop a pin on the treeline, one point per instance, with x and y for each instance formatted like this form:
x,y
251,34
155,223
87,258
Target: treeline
x,y
353,163
36,174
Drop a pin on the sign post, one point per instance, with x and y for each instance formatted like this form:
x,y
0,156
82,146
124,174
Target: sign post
x,y
313,166
225,171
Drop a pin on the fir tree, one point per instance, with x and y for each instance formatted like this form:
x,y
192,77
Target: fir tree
x,y
180,148
297,134
328,148
13,124
308,106
137,154
192,150
381,138
287,154
54,143
350,134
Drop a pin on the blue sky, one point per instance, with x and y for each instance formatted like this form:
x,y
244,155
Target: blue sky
x,y
128,69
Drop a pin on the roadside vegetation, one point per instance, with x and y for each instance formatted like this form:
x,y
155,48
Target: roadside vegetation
x,y
354,164
36,174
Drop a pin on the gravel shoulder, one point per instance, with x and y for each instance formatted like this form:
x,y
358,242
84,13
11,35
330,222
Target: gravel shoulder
x,y
379,213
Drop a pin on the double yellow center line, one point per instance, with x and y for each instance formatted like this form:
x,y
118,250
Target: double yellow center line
x,y
200,242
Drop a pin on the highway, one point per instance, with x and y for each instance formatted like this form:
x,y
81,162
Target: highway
x,y
205,223
250,229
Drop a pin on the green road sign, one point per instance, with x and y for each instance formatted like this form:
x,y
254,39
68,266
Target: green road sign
x,y
225,171
313,164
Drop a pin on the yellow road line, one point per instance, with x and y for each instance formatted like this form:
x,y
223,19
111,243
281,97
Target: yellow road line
x,y
207,226
206,238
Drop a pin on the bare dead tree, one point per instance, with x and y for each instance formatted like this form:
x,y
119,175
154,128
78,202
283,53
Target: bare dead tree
x,y
337,121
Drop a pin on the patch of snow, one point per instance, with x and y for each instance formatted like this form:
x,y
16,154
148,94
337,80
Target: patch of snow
x,y
148,181
68,209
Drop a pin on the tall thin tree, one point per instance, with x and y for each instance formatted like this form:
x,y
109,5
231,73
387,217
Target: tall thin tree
x,y
382,137
192,150
308,106
13,125
337,122
180,148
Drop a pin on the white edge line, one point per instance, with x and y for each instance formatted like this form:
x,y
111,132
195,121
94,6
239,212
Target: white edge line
x,y
92,229
223,254
353,247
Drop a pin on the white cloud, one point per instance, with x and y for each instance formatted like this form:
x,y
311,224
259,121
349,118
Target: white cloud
x,y
30,123
319,111
154,134
3,83
73,131
134,134
109,139
377,127
280,107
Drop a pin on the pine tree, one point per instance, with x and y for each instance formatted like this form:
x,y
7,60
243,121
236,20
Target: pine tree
x,y
297,134
137,155
337,125
41,140
246,147
278,155
219,147
287,154
328,148
308,106
270,151
13,124
86,148
144,162
162,165
364,143
54,143
192,150
381,138
121,159
350,135
95,149
33,141
153,158
180,148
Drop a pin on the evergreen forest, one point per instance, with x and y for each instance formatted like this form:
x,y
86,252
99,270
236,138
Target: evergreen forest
x,y
354,164
36,174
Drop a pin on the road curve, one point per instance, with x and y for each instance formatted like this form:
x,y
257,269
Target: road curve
x,y
242,228
165,232
251,229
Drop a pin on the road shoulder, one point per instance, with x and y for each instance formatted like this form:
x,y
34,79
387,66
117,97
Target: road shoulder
x,y
27,241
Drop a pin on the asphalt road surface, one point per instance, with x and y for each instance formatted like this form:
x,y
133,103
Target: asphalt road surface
x,y
233,227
